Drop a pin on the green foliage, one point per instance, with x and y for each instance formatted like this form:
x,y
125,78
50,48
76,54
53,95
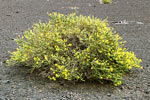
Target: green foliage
x,y
107,1
74,47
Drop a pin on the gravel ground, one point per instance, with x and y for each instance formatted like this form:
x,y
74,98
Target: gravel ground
x,y
130,18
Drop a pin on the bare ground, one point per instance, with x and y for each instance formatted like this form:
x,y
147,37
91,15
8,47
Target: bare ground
x,y
131,20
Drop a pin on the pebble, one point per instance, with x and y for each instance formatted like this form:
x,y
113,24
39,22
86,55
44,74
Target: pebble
x,y
17,12
108,94
6,81
139,23
147,91
1,63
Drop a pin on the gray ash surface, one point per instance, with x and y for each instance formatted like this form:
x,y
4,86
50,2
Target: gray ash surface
x,y
131,20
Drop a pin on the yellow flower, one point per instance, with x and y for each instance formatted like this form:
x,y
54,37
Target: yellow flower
x,y
41,34
49,77
25,55
109,54
66,70
38,59
37,62
70,44
111,69
57,49
53,78
92,67
56,75
119,83
34,58
45,56
65,40
76,69
56,64
130,67
101,77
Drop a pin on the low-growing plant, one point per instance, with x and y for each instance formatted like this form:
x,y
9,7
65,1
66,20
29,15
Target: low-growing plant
x,y
107,1
76,48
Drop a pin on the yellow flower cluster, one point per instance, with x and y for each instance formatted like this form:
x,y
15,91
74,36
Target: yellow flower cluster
x,y
37,60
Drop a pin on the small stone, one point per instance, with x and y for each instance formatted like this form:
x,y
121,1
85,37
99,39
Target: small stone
x,y
4,61
6,81
126,98
1,63
139,23
8,15
94,5
89,5
137,86
147,65
108,94
121,88
147,91
17,11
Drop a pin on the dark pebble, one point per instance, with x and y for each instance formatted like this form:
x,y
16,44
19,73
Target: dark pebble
x,y
8,15
137,86
126,98
147,65
147,91
94,6
4,61
17,11
121,88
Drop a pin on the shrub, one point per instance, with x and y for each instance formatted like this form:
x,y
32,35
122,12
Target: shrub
x,y
76,48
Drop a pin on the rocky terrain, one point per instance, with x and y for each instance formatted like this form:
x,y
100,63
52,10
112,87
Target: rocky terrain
x,y
130,19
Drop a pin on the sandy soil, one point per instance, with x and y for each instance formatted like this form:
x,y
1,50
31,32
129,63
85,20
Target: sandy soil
x,y
130,18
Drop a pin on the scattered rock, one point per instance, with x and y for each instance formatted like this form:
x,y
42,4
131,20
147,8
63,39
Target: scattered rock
x,y
6,81
4,61
100,1
147,91
89,5
94,6
1,63
17,11
137,86
126,98
8,15
139,23
108,94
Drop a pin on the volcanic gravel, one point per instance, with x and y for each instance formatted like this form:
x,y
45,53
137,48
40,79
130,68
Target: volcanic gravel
x,y
130,19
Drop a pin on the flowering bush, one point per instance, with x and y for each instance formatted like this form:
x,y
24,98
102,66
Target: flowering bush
x,y
74,47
